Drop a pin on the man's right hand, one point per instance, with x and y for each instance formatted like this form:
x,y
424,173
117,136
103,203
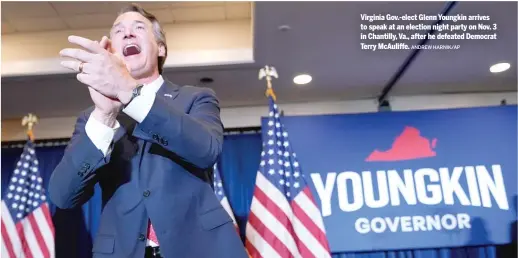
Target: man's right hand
x,y
106,109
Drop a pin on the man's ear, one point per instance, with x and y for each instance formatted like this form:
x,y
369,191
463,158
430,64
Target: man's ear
x,y
161,50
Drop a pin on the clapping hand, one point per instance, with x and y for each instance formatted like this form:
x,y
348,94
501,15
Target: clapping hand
x,y
98,68
104,72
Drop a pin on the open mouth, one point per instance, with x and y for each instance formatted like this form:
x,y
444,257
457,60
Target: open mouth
x,y
131,49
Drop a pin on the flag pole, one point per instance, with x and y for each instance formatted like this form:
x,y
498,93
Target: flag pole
x,y
268,72
29,121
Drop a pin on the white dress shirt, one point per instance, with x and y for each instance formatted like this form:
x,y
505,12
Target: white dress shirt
x,y
102,135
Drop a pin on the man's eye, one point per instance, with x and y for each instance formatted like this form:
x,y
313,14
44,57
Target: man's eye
x,y
140,27
118,31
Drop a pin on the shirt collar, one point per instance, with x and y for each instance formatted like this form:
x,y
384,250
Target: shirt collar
x,y
153,86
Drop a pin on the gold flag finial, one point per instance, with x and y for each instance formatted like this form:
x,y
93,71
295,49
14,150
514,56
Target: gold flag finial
x,y
268,72
30,120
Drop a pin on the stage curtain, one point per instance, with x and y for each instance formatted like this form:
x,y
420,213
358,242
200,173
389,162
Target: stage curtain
x,y
238,164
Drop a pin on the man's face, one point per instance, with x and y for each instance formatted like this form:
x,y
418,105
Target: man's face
x,y
132,38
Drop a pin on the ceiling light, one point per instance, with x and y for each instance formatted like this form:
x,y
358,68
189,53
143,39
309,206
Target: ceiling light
x,y
284,27
500,67
302,79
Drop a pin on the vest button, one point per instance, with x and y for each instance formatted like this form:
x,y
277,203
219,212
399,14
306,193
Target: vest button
x,y
146,193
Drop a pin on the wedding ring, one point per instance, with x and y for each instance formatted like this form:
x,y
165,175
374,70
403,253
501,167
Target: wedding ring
x,y
81,67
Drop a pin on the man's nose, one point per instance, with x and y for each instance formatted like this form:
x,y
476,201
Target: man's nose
x,y
128,33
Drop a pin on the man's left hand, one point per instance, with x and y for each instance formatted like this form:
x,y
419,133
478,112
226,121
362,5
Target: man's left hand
x,y
105,72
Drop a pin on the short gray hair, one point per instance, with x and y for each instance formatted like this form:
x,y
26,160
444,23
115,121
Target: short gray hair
x,y
157,30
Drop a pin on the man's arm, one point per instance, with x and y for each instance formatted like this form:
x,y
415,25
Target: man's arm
x,y
72,181
196,137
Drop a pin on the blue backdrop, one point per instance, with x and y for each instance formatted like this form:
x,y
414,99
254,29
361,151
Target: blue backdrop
x,y
238,166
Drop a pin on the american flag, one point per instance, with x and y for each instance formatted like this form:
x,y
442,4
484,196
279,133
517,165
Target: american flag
x,y
222,197
27,228
284,219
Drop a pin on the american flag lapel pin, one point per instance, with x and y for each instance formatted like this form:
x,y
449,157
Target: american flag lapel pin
x,y
168,95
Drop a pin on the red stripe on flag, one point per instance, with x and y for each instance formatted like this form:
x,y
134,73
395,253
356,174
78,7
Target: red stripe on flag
x,y
309,195
25,246
251,250
268,236
37,234
274,209
46,212
309,224
7,240
303,250
283,219
321,236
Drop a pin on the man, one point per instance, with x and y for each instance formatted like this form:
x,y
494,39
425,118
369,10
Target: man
x,y
149,144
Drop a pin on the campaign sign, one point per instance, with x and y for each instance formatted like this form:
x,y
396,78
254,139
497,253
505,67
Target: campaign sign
x,y
406,180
